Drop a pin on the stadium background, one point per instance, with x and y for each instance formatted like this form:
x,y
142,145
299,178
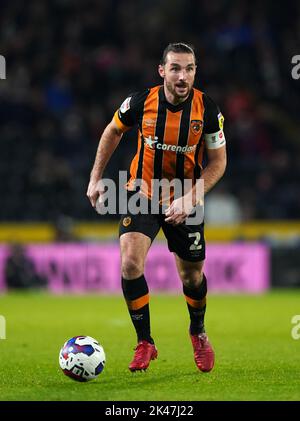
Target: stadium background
x,y
70,64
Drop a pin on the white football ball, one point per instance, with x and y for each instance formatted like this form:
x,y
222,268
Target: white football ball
x,y
82,358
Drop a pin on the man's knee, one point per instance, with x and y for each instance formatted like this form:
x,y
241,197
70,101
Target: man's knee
x,y
132,266
191,278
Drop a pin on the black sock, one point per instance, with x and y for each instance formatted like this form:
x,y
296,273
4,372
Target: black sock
x,y
196,303
136,294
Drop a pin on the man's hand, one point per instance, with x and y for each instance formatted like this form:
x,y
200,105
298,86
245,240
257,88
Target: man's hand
x,y
179,210
107,144
94,191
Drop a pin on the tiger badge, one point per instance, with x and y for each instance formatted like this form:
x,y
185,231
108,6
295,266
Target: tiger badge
x,y
126,221
196,126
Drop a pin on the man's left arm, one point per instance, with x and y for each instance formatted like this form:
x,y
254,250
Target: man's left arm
x,y
181,208
214,169
215,145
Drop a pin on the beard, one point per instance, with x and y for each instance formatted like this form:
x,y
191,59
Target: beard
x,y
179,90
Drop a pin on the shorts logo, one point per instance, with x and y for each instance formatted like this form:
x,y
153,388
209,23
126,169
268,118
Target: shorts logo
x,y
196,126
126,221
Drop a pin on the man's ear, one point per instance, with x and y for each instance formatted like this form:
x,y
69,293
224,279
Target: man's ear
x,y
161,71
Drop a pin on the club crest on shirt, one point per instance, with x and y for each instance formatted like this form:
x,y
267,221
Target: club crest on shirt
x,y
196,126
126,221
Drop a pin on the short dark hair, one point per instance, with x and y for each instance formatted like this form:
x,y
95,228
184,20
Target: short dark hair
x,y
177,47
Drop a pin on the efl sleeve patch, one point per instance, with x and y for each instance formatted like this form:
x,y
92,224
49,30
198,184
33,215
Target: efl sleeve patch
x,y
221,121
125,106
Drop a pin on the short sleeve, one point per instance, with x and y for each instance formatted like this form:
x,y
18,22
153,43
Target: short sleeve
x,y
213,124
130,110
213,118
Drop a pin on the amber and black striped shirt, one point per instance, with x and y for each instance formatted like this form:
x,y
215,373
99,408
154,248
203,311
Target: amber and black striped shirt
x,y
171,139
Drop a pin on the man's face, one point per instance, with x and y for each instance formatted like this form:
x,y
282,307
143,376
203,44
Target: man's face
x,y
179,74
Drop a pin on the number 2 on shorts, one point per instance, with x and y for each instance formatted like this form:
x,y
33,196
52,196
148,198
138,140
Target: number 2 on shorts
x,y
195,245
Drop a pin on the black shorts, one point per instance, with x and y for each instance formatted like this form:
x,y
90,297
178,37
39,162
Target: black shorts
x,y
187,241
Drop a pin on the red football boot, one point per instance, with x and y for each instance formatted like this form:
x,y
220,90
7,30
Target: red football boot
x,y
144,353
203,353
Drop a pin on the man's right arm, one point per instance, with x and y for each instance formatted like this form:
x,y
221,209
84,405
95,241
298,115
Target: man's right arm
x,y
124,118
108,143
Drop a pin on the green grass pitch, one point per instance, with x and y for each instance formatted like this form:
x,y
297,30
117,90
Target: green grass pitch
x,y
256,356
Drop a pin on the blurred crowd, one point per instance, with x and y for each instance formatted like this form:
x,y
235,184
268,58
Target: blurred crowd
x,y
71,63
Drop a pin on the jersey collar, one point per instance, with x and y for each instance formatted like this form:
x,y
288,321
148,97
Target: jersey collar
x,y
171,107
